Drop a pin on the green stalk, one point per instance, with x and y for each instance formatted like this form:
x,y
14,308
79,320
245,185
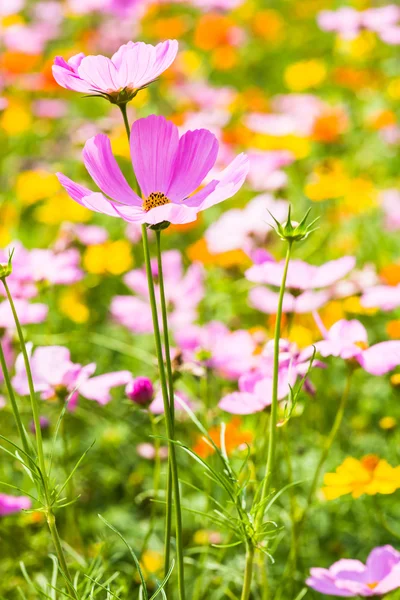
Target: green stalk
x,y
171,394
14,405
168,417
266,486
50,517
274,406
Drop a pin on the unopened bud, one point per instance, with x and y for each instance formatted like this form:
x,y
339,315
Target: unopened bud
x,y
140,391
291,231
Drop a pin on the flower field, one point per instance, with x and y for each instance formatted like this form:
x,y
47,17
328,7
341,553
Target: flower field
x,y
199,299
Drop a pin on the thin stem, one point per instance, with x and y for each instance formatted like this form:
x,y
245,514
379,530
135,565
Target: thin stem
x,y
274,406
156,480
327,446
126,121
168,418
248,572
171,394
51,521
14,405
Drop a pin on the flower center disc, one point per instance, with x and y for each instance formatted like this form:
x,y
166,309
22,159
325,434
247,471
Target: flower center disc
x,y
372,586
155,199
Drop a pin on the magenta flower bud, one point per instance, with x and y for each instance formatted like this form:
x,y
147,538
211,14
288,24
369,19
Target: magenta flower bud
x,y
44,424
140,391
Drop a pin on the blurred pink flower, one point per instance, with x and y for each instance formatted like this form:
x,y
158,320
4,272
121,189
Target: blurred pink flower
x,y
307,285
13,504
390,201
183,293
265,169
157,406
351,578
230,353
148,451
349,341
28,314
10,7
385,297
54,375
255,386
246,228
168,170
131,68
49,108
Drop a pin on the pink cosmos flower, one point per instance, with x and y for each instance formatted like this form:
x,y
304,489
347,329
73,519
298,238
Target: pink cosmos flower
x,y
55,375
13,504
130,69
183,293
350,578
157,406
346,21
255,386
49,108
244,229
349,340
28,314
385,297
265,169
168,170
10,7
230,353
307,285
390,200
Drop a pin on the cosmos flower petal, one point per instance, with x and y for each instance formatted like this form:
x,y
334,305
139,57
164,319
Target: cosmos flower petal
x,y
100,73
105,172
241,403
195,157
85,197
69,80
381,358
137,65
98,388
154,143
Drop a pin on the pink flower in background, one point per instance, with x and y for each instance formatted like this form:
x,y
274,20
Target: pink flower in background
x,y
255,386
10,7
140,390
48,108
148,451
246,228
131,68
349,341
55,375
390,201
307,285
351,578
265,169
28,314
7,346
385,297
13,504
346,21
157,406
230,353
168,170
37,266
204,95
183,292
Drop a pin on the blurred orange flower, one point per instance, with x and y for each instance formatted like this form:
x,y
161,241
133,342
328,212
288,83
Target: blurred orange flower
x,y
234,438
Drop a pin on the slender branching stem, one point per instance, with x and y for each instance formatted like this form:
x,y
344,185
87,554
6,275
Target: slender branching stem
x,y
50,517
168,417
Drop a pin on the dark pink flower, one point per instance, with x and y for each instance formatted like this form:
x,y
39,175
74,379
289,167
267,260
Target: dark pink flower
x,y
140,390
169,170
13,504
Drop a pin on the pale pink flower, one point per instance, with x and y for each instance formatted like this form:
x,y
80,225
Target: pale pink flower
x,y
131,68
183,291
351,578
349,341
49,108
385,297
265,169
390,201
55,375
169,171
307,286
28,314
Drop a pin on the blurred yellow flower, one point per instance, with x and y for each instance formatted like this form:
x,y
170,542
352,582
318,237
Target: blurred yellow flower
x,y
225,58
200,252
111,257
35,185
358,48
353,305
360,196
8,220
300,147
387,423
59,208
371,475
305,74
72,306
16,118
328,180
151,561
395,379
393,329
269,25
302,336
189,62
119,142
393,89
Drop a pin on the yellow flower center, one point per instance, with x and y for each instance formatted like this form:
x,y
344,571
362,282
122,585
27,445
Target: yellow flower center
x,y
373,585
362,345
370,462
155,199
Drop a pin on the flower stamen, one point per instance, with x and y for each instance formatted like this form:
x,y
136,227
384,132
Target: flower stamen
x,y
155,199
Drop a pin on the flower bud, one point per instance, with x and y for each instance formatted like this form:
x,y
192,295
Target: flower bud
x,y
292,231
6,268
140,391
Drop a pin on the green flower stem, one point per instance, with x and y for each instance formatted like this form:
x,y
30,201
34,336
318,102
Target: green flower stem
x,y
128,133
156,480
168,417
266,487
14,405
248,572
50,517
171,393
